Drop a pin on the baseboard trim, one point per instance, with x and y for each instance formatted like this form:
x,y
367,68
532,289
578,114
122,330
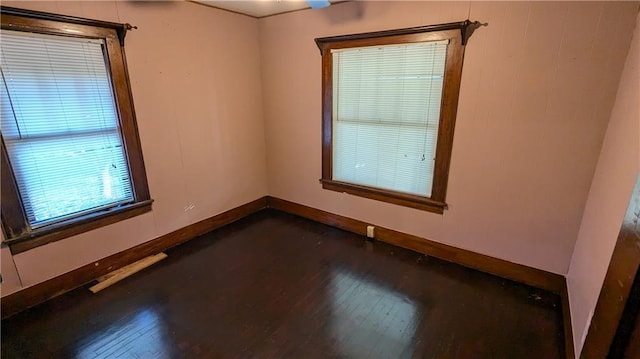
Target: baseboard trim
x,y
517,272
41,292
537,278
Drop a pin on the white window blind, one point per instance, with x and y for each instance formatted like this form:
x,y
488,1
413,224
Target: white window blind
x,y
386,111
60,126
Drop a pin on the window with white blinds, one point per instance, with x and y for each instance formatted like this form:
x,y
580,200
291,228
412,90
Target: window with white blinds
x,y
60,126
389,105
386,112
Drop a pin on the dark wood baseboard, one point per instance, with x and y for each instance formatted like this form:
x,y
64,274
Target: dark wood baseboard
x,y
517,272
541,279
36,294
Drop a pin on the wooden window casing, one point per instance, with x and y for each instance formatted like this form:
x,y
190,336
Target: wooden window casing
x,y
457,35
17,231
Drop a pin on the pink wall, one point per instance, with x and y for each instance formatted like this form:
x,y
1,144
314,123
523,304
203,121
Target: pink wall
x,y
535,100
10,279
195,74
616,173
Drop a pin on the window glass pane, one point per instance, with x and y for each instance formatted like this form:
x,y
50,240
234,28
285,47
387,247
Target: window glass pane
x,y
60,125
386,114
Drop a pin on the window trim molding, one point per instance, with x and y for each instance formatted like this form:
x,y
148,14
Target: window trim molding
x,y
458,34
399,198
16,229
465,27
31,17
77,225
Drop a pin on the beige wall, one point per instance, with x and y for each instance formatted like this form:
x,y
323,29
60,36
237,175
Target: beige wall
x,y
616,173
535,99
195,74
10,279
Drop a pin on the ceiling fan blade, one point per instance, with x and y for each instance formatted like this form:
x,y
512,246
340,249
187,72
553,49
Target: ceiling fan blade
x,y
318,4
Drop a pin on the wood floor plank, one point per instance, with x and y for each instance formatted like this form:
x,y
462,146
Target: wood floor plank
x,y
125,272
277,286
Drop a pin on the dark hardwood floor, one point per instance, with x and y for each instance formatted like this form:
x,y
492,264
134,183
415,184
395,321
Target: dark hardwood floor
x,y
276,286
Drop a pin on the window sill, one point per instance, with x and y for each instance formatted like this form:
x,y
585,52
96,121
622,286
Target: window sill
x,y
403,199
75,226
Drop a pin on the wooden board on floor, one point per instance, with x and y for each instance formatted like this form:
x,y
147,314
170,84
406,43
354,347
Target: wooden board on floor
x,y
36,294
126,271
276,286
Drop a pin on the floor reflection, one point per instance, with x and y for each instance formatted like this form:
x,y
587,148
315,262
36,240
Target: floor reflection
x,y
140,335
366,312
279,286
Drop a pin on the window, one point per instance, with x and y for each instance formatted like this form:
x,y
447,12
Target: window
x,y
389,107
71,158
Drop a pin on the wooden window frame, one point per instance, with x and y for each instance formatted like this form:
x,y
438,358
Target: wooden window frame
x,y
457,33
16,229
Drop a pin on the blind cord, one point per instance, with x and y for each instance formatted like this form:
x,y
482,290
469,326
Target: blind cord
x,y
13,111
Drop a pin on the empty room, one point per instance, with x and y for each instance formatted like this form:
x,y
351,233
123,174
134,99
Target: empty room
x,y
320,179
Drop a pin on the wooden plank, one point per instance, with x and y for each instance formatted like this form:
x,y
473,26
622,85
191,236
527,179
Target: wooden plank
x,y
38,293
126,271
286,287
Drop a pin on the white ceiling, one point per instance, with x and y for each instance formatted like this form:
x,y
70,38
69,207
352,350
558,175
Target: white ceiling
x,y
258,8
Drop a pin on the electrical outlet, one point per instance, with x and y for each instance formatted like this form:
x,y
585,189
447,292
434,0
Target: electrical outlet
x,y
189,207
371,231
